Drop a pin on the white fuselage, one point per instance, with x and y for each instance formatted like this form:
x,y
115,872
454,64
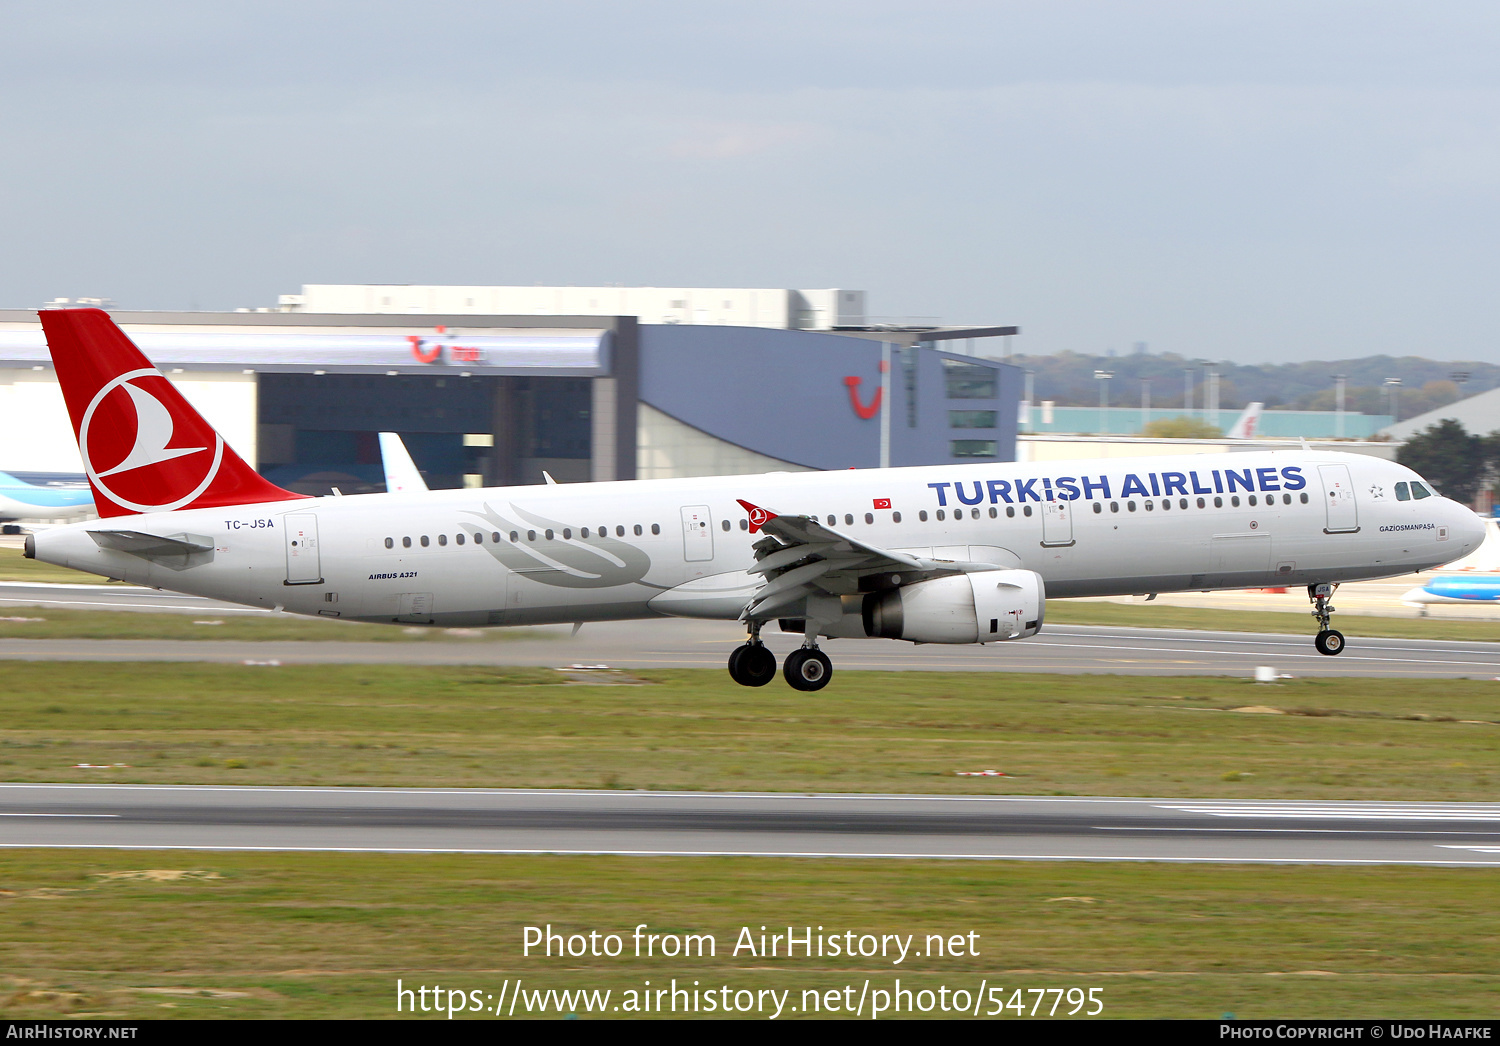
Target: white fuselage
x,y
599,551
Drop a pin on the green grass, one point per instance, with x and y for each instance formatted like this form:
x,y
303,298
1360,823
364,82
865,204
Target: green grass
x,y
14,566
694,729
327,935
1136,615
55,623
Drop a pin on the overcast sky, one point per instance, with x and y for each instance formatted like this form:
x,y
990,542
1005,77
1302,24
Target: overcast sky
x,y
1259,181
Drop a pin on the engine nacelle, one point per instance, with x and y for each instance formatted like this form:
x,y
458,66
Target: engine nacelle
x,y
983,607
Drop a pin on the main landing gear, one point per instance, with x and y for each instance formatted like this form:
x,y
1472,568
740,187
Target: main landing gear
x,y
753,664
1328,641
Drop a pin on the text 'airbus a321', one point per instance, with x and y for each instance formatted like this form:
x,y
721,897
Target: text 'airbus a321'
x,y
941,554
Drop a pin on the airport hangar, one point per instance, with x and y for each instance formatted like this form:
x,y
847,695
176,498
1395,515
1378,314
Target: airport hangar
x,y
486,400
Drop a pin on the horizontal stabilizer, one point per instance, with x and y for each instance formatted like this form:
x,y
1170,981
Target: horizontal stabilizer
x,y
150,546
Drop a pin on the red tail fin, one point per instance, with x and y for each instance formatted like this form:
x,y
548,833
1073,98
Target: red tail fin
x,y
144,448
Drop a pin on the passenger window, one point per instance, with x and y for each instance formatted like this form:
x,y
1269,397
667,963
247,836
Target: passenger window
x,y
1026,510
442,539
1286,499
425,542
531,535
1166,504
1419,492
922,515
479,537
833,521
637,530
495,537
1098,508
1114,506
514,537
1182,502
994,513
389,543
1130,505
723,525
549,534
459,537
1235,501
406,542
896,516
1202,503
869,517
848,519
1010,512
1149,505
1304,497
568,534
655,528
1403,492
941,515
584,533
744,524
1218,502
1252,500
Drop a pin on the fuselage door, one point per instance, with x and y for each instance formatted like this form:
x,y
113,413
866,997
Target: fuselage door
x,y
1057,523
697,534
1338,497
303,564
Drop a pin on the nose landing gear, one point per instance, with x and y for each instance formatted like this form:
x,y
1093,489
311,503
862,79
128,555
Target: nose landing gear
x,y
1328,640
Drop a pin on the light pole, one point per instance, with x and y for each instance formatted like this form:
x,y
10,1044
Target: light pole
x,y
1103,376
1338,405
1145,402
1393,385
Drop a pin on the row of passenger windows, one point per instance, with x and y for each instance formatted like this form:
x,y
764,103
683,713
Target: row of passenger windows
x,y
1402,494
515,536
1166,503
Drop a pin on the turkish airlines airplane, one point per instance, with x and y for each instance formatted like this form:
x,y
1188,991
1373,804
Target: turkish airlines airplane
x,y
941,554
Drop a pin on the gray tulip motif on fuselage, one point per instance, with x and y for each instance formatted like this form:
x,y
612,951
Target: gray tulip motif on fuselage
x,y
598,561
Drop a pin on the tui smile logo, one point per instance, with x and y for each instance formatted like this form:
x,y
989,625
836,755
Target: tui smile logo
x,y
125,438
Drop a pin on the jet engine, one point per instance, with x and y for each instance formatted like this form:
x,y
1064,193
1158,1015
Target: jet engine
x,y
984,607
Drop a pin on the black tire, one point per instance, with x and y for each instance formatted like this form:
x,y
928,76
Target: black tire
x,y
1329,642
806,669
752,664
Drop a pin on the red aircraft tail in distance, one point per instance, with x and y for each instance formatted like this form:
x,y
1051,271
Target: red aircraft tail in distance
x,y
144,448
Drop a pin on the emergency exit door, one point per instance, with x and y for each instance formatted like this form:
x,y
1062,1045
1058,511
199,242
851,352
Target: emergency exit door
x,y
1057,523
697,534
303,565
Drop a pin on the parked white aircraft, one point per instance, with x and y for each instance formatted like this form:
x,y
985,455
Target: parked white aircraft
x,y
22,500
942,554
1244,426
401,475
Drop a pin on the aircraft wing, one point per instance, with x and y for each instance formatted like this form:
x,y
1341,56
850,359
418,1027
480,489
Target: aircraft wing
x,y
798,556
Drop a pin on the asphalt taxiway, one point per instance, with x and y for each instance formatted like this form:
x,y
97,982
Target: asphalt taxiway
x,y
687,823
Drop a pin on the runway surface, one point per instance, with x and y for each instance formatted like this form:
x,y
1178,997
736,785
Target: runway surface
x,y
671,643
681,643
681,823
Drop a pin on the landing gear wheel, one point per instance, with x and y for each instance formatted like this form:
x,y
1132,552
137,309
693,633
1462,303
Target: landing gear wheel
x,y
752,664
1329,642
807,668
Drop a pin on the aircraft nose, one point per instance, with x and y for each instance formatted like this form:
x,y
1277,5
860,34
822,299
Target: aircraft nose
x,y
1468,526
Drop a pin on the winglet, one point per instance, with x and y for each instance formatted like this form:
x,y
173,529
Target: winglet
x,y
759,517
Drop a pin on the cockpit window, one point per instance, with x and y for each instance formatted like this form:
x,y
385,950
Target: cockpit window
x,y
1419,492
1403,492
